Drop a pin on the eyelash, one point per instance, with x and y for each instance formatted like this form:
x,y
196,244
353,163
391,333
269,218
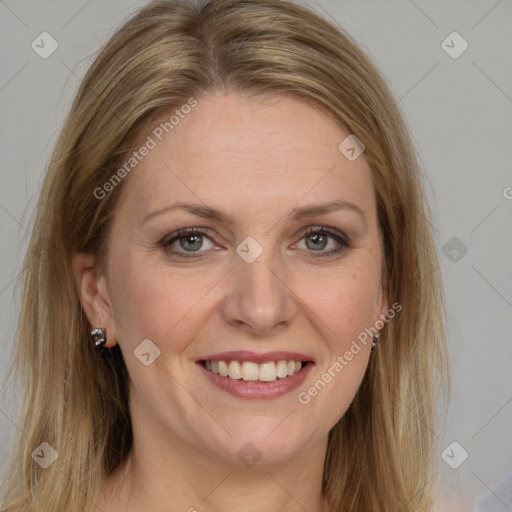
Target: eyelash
x,y
342,240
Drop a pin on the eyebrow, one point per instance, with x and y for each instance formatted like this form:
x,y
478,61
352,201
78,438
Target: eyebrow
x,y
296,214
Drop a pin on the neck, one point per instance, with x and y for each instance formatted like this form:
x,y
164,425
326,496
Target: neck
x,y
179,477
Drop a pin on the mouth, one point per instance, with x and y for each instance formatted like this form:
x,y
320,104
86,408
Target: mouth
x,y
251,375
249,371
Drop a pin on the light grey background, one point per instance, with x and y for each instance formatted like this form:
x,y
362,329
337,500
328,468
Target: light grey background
x,y
459,112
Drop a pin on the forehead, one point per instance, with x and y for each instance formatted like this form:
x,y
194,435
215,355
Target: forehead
x,y
248,152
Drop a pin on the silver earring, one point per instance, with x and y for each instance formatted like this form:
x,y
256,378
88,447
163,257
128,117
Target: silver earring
x,y
99,336
375,339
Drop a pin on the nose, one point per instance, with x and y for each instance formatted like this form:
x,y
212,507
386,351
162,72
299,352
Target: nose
x,y
260,299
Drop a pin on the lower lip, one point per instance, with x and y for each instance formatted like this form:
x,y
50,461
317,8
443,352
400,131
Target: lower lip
x,y
257,390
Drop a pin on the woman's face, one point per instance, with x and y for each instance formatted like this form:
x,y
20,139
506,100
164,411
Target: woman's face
x,y
252,286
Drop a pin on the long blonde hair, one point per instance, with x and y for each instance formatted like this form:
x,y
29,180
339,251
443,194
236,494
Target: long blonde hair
x,y
380,454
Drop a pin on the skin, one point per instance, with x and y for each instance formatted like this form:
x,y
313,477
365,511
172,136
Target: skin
x,y
255,159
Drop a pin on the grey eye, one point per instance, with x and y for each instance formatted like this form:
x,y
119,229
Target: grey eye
x,y
318,241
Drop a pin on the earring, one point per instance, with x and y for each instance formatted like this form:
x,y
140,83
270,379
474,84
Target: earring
x,y
375,339
99,336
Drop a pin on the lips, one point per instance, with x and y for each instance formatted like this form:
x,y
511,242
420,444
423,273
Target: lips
x,y
255,357
247,374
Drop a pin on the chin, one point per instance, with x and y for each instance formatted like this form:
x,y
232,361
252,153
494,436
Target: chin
x,y
268,440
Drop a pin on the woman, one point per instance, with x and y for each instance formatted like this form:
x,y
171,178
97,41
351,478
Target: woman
x,y
231,295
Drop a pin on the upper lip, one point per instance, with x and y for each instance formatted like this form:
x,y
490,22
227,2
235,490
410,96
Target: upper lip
x,y
263,357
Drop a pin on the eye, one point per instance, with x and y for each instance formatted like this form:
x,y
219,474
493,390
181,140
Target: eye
x,y
319,238
187,240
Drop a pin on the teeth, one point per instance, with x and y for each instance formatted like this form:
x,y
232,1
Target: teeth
x,y
281,369
250,371
223,369
235,370
268,372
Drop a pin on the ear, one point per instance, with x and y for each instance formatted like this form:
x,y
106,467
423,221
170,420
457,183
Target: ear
x,y
94,296
384,305
382,299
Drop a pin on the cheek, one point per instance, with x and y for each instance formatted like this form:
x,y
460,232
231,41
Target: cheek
x,y
156,302
344,305
345,301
